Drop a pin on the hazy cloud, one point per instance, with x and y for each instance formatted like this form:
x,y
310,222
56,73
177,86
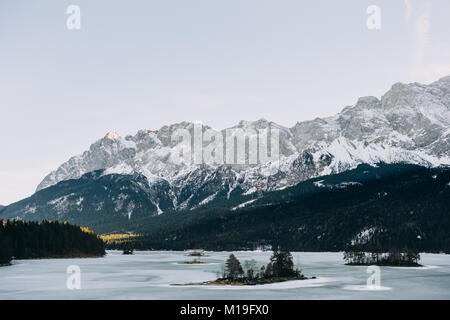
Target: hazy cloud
x,y
408,4
418,15
420,26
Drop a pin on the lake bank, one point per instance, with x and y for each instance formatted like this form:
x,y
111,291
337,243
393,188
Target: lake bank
x,y
258,282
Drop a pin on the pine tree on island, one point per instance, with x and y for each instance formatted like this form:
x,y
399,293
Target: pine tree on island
x,y
280,268
233,268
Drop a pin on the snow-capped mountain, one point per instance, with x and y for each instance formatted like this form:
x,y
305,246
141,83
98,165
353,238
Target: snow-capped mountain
x,y
409,124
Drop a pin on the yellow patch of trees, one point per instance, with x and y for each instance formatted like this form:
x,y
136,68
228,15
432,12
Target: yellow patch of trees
x,y
119,238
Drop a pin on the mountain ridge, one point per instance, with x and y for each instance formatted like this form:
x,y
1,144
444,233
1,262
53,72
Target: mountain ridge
x,y
123,203
408,124
367,208
139,176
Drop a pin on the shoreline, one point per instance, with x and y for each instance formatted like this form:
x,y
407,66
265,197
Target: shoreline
x,y
221,282
417,265
254,251
58,257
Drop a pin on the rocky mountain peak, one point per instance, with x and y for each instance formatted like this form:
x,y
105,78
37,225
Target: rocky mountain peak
x,y
112,135
410,123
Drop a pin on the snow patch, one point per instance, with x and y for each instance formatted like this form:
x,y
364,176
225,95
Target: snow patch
x,y
320,184
242,205
30,209
363,236
208,199
366,288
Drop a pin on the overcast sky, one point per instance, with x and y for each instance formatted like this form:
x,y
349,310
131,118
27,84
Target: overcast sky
x,y
142,64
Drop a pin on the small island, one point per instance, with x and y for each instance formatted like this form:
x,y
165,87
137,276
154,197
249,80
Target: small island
x,y
195,261
279,269
197,254
393,258
128,251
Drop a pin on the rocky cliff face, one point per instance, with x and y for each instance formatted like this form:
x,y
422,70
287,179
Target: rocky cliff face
x,y
409,124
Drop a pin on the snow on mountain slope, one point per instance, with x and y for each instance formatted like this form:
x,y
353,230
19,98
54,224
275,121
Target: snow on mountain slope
x,y
410,123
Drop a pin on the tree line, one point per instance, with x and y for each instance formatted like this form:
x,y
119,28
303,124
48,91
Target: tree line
x,y
407,257
48,239
406,208
280,268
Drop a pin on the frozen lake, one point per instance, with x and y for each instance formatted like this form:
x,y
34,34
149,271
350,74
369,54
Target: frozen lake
x,y
149,275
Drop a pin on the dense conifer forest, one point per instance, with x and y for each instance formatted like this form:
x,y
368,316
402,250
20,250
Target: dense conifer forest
x,y
365,209
395,257
391,206
48,239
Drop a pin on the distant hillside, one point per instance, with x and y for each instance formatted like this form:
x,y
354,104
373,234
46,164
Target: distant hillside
x,y
92,200
410,123
386,206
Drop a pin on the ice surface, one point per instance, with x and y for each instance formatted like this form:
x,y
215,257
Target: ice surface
x,y
150,275
366,288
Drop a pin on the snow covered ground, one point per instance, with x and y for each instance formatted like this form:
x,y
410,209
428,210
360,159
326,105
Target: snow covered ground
x,y
149,275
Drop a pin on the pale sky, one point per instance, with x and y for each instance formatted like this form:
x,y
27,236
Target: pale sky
x,y
143,64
